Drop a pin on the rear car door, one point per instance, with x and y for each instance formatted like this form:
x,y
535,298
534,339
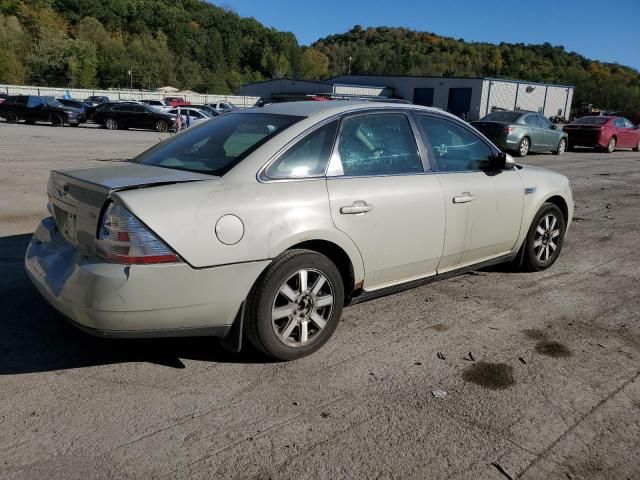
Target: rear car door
x,y
381,197
36,110
483,207
626,137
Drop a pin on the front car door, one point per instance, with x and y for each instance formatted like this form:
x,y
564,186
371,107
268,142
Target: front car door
x,y
535,133
36,110
551,135
483,207
381,197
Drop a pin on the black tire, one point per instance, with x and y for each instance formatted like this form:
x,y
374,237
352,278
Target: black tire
x,y
30,122
111,123
531,258
523,147
75,124
11,117
57,121
611,145
258,320
162,126
637,149
562,147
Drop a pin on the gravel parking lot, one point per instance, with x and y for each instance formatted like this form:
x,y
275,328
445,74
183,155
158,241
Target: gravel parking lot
x,y
541,370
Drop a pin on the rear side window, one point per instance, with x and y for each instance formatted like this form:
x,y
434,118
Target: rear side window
x,y
378,144
35,102
455,148
216,147
308,157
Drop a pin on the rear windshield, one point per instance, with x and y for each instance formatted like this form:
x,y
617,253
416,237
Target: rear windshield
x,y
591,120
216,146
502,117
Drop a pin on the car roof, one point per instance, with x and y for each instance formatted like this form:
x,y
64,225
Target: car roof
x,y
333,107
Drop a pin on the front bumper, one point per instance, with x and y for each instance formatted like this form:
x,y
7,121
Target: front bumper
x,y
116,300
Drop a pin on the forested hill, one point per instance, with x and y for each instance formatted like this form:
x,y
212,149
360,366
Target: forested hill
x,y
400,51
195,45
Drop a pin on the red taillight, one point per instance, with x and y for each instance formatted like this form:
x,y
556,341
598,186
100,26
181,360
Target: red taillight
x,y
123,238
508,130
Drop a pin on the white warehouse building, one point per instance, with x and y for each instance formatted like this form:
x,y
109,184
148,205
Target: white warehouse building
x,y
471,98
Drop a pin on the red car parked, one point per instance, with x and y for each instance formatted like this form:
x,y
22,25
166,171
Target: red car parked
x,y
176,101
605,132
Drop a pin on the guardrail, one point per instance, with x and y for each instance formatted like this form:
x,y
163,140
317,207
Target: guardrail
x,y
80,93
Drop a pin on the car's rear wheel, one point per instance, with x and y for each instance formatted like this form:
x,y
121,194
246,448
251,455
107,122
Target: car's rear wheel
x,y
523,147
637,148
162,126
57,121
611,146
11,117
111,124
562,147
295,306
544,239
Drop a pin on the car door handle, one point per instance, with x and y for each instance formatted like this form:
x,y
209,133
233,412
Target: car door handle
x,y
466,197
358,207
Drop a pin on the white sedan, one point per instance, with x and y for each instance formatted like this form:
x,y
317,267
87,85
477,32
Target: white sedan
x,y
266,222
190,116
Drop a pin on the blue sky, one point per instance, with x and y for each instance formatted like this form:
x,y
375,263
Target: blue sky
x,y
601,30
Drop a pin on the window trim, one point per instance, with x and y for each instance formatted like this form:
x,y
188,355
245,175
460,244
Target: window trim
x,y
481,137
335,161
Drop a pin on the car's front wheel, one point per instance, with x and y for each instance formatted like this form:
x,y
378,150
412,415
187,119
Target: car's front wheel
x,y
111,124
57,121
162,126
637,147
295,306
544,239
562,147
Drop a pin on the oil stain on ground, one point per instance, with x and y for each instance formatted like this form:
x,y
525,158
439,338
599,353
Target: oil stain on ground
x,y
552,349
495,376
439,327
547,347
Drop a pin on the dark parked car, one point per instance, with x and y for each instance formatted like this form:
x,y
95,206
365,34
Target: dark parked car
x,y
32,109
92,103
522,132
96,100
78,105
603,132
132,115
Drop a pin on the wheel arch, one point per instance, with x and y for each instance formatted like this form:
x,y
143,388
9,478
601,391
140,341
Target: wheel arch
x,y
340,259
561,203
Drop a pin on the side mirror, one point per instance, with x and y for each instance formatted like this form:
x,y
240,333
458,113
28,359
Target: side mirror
x,y
502,161
554,126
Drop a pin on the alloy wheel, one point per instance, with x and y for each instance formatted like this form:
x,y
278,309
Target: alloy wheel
x,y
161,126
562,147
545,242
111,124
302,307
12,117
611,146
524,147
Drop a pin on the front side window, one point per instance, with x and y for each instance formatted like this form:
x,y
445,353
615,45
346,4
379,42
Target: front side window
x,y
455,148
378,144
216,147
306,158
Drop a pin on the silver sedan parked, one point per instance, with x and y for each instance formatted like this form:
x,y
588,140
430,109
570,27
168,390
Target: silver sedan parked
x,y
266,222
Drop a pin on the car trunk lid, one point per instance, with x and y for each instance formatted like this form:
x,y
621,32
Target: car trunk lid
x,y
78,197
